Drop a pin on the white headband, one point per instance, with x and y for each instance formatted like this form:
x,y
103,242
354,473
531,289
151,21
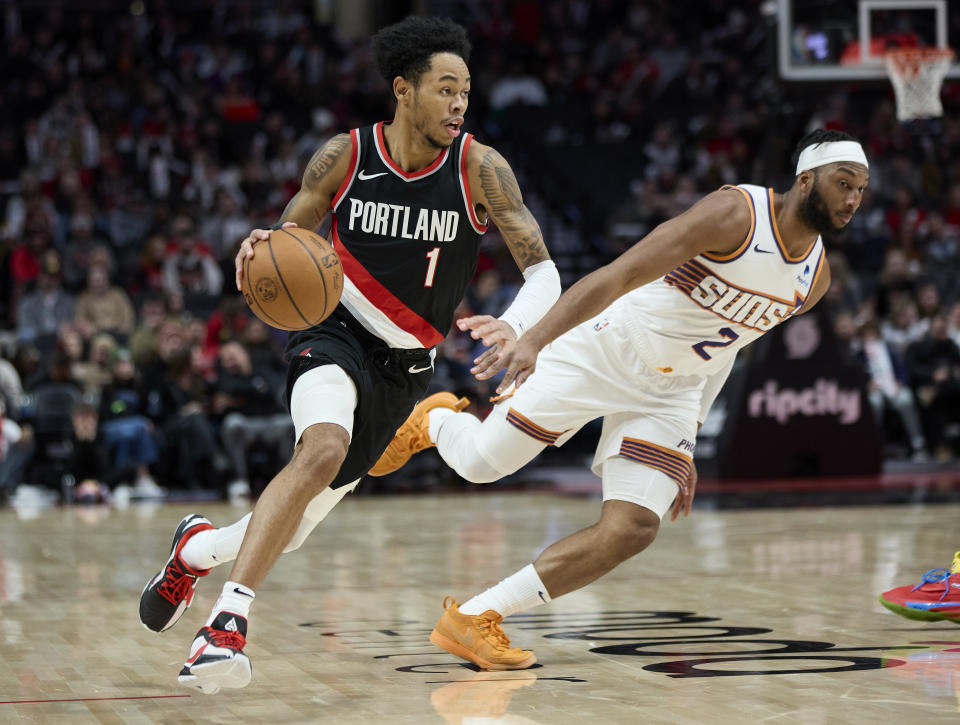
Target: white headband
x,y
821,154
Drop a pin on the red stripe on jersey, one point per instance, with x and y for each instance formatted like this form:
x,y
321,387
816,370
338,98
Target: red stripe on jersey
x,y
382,298
465,181
354,159
382,146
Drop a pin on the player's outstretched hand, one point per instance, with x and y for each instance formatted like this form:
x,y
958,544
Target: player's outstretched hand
x,y
246,249
496,335
520,363
684,499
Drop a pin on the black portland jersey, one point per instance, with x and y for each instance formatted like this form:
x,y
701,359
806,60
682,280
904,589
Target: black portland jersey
x,y
408,241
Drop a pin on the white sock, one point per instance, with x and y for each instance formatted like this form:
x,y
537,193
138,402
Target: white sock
x,y
212,547
516,593
207,549
436,418
234,598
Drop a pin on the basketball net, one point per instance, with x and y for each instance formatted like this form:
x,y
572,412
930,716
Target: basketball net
x,y
916,75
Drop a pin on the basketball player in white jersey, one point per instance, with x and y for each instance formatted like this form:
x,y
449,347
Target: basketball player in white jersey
x,y
410,200
646,343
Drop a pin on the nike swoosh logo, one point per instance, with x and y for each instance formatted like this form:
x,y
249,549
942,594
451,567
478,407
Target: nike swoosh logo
x,y
466,637
756,248
363,176
542,597
415,369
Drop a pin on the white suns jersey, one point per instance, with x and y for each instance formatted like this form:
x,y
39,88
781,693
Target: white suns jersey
x,y
693,320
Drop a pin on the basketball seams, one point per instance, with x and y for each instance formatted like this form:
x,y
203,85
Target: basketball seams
x,y
323,279
280,276
253,294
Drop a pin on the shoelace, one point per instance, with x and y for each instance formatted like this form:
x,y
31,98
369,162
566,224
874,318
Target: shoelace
x,y
222,638
175,585
415,441
492,631
935,576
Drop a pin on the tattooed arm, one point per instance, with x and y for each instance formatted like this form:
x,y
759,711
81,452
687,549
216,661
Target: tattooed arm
x,y
497,197
321,179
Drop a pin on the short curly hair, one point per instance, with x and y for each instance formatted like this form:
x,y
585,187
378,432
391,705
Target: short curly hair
x,y
405,48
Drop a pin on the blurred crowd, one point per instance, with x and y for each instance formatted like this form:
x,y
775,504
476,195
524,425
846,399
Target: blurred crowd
x,y
139,145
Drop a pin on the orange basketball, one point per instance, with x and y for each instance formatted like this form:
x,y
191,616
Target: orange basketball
x,y
294,279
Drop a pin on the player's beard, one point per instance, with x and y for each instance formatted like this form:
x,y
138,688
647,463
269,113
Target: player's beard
x,y
815,213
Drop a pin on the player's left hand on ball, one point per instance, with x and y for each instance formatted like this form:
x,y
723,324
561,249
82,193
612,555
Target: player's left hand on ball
x,y
246,249
684,499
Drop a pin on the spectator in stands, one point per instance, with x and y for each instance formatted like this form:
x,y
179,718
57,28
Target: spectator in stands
x,y
190,269
79,252
96,371
149,274
488,295
127,434
953,323
897,281
889,385
41,312
928,300
128,225
89,462
11,387
934,367
16,449
226,227
904,326
190,441
143,341
253,414
103,307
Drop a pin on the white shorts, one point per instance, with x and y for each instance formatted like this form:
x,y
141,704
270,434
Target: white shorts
x,y
323,394
594,371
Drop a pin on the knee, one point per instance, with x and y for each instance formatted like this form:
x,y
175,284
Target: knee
x,y
478,470
233,425
629,527
320,453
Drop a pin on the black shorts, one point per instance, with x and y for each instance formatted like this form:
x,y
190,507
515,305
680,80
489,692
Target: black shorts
x,y
386,389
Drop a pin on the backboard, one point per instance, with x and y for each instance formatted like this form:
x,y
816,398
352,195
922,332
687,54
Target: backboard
x,y
836,40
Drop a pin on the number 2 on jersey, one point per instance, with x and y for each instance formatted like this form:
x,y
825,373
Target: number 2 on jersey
x,y
432,255
700,347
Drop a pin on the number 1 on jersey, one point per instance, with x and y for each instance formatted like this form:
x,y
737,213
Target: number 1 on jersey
x,y
432,255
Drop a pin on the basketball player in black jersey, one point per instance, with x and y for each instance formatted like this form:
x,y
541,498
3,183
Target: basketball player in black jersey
x,y
410,200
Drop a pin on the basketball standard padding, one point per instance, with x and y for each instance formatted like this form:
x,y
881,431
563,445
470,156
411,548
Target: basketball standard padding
x,y
294,279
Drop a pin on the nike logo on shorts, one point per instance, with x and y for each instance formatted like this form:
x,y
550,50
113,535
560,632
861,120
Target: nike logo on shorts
x,y
415,369
363,175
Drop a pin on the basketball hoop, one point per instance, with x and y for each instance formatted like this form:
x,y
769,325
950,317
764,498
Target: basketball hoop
x,y
916,75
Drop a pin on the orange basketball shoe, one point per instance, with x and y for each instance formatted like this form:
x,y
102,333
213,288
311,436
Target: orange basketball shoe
x,y
478,638
414,435
936,598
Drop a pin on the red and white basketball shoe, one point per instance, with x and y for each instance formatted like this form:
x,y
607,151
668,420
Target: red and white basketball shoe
x,y
216,657
168,594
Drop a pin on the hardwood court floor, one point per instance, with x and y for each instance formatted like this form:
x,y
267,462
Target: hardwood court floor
x,y
756,616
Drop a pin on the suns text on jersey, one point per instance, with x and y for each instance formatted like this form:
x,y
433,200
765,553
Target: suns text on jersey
x,y
399,222
742,306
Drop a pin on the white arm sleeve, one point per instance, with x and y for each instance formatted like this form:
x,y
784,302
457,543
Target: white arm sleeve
x,y
712,388
541,288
